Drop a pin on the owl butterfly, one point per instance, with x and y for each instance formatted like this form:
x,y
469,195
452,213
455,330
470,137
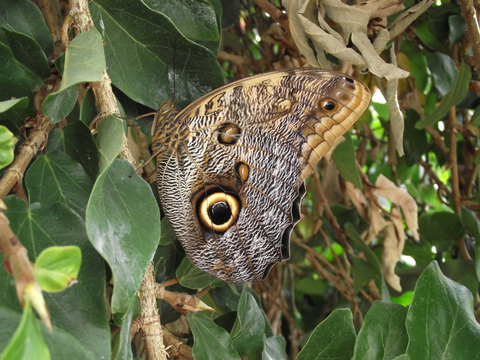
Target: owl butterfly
x,y
232,165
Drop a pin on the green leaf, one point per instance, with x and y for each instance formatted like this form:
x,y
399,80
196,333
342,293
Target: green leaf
x,y
344,157
55,177
25,17
414,141
109,140
13,104
15,84
196,20
55,340
441,323
452,98
472,224
363,272
333,338
58,105
441,229
28,53
418,65
168,235
84,62
461,271
7,145
27,342
192,277
383,334
84,59
57,267
149,76
457,26
274,348
247,330
122,347
76,141
88,110
123,223
444,71
38,228
211,341
371,258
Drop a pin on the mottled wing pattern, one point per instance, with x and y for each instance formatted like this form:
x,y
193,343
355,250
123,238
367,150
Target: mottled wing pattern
x,y
231,164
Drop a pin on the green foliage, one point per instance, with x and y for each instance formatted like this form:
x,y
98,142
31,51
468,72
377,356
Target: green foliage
x,y
88,220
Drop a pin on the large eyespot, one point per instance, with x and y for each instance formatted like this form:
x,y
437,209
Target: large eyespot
x,y
328,105
228,134
218,211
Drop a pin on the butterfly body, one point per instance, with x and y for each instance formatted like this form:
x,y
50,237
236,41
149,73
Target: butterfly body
x,y
231,165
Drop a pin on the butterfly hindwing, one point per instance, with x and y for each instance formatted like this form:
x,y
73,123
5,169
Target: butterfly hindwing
x,y
232,164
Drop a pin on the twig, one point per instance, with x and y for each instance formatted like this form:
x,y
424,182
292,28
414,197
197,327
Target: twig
x,y
284,310
149,169
457,199
150,319
18,265
275,13
469,13
35,141
330,217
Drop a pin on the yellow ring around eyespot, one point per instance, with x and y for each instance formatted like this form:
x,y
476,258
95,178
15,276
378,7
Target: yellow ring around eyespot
x,y
212,199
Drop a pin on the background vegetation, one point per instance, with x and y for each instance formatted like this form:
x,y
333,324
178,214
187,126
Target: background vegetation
x,y
385,263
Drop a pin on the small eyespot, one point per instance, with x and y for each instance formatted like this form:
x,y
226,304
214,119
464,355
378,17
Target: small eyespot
x,y
218,211
228,134
243,170
328,105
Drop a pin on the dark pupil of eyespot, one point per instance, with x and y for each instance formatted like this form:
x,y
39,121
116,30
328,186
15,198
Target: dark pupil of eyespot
x,y
329,105
220,213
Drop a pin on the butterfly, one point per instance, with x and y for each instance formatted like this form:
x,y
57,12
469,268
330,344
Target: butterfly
x,y
231,165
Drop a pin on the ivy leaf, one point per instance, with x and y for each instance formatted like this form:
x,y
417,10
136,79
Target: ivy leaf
x,y
84,62
333,338
123,224
247,330
27,342
440,322
57,267
190,276
211,341
452,98
441,229
383,334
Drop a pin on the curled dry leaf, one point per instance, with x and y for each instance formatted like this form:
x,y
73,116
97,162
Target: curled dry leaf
x,y
408,16
396,116
358,199
389,190
377,222
392,248
363,25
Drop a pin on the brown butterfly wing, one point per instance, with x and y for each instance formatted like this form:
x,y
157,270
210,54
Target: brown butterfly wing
x,y
232,164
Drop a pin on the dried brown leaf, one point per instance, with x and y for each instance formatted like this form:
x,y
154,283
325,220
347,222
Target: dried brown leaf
x,y
389,190
377,222
408,16
393,245
299,34
358,199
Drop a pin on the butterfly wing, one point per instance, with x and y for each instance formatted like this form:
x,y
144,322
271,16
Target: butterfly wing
x,y
232,164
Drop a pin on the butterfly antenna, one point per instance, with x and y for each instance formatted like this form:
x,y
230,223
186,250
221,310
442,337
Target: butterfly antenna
x,y
137,170
174,64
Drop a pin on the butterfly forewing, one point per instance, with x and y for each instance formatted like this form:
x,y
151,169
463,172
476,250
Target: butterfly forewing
x,y
231,164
